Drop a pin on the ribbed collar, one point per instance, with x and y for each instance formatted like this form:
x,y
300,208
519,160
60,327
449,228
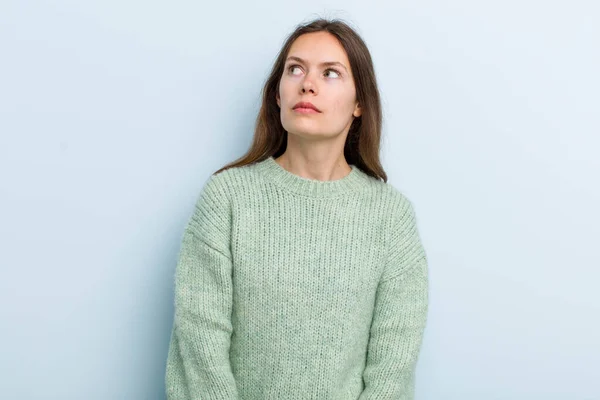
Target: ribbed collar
x,y
352,182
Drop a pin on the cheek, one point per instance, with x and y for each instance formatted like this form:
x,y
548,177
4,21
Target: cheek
x,y
285,89
343,105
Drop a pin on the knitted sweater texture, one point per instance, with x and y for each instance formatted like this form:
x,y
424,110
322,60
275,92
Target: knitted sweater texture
x,y
292,288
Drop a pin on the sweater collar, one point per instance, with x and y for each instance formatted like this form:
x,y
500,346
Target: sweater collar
x,y
354,181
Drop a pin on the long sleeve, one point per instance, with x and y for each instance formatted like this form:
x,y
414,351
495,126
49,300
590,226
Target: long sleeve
x,y
198,364
399,316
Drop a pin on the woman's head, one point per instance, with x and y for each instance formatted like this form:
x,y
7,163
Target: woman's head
x,y
317,70
345,93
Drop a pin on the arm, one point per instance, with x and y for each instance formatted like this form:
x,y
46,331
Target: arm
x,y
399,316
198,364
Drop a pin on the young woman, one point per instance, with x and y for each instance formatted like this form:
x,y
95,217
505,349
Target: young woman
x,y
301,274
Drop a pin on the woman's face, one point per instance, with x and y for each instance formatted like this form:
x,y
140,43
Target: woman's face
x,y
329,87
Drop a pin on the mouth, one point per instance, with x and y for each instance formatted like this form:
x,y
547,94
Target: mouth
x,y
303,110
305,107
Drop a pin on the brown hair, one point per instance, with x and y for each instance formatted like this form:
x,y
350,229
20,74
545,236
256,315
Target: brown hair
x,y
364,136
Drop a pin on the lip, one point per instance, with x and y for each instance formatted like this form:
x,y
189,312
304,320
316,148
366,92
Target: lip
x,y
306,107
303,110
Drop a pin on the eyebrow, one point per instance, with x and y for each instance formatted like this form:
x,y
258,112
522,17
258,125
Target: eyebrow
x,y
323,64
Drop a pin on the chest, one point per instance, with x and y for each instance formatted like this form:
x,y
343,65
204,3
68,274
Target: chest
x,y
308,252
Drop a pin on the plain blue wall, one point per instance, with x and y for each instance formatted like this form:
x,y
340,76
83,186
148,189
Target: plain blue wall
x,y
114,113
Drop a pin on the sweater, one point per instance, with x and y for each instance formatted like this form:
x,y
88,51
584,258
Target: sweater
x,y
293,288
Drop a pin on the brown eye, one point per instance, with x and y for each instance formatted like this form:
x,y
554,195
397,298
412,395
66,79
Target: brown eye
x,y
291,67
335,72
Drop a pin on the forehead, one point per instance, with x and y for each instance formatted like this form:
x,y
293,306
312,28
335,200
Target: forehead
x,y
317,47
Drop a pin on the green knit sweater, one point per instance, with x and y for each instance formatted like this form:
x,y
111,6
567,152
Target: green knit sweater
x,y
292,288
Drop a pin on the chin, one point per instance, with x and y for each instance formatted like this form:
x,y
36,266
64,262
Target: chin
x,y
308,133
303,127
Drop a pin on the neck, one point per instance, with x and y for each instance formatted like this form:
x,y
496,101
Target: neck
x,y
314,167
347,185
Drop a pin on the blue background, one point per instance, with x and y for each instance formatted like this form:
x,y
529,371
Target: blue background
x,y
114,113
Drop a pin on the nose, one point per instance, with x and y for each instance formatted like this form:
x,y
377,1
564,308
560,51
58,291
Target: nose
x,y
308,85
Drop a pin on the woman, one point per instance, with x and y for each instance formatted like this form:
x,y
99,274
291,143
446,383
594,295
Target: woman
x,y
301,274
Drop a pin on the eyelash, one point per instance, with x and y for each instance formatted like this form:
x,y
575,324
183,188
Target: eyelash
x,y
328,69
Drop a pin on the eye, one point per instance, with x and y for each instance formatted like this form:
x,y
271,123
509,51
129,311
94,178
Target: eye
x,y
336,72
291,67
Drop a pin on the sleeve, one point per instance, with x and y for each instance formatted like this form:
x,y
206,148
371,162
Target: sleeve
x,y
399,315
198,365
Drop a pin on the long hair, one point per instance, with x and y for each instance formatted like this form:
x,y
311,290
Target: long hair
x,y
364,136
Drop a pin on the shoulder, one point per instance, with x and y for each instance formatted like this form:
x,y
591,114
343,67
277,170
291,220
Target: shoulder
x,y
242,180
213,202
399,218
405,249
226,184
393,201
211,217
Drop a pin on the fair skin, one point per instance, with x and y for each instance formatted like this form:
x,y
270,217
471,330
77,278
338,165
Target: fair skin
x,y
315,144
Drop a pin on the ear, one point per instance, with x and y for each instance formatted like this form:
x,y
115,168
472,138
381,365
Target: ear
x,y
277,99
357,110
